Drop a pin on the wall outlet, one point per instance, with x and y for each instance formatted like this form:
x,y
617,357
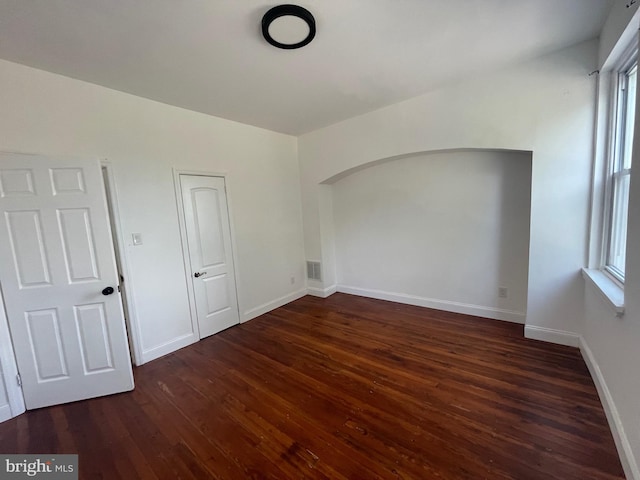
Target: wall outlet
x,y
292,280
503,292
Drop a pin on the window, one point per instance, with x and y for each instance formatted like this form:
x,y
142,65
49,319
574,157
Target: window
x,y
619,171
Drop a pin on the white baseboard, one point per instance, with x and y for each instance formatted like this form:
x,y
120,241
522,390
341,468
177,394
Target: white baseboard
x,y
625,453
551,335
188,339
466,309
272,305
169,347
322,292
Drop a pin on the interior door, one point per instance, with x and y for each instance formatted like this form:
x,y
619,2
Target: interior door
x,y
209,241
59,280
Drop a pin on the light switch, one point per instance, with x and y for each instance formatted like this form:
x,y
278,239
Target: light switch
x,y
137,238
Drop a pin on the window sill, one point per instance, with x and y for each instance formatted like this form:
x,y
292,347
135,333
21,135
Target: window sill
x,y
610,290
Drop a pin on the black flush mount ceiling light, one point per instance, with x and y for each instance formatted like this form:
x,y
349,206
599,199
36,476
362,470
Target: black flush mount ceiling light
x,y
288,26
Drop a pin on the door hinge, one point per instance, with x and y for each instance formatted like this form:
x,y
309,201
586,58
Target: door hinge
x,y
19,380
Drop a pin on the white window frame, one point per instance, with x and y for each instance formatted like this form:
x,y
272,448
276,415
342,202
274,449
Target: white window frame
x,y
614,164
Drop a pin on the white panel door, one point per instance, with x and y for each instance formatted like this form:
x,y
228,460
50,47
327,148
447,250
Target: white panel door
x,y
209,241
56,262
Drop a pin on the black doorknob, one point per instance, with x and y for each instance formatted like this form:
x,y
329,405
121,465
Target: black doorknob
x,y
108,291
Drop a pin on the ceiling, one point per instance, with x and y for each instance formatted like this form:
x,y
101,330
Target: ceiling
x,y
209,55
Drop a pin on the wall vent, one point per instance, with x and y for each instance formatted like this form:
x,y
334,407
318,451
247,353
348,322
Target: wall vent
x,y
313,271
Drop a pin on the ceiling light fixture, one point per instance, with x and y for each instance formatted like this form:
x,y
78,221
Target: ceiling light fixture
x,y
288,26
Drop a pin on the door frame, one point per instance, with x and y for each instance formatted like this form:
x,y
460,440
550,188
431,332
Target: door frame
x,y
120,253
185,244
9,367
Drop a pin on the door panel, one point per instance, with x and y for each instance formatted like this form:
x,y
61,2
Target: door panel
x,y
45,343
91,322
217,293
27,245
79,249
16,182
56,256
67,180
206,206
209,244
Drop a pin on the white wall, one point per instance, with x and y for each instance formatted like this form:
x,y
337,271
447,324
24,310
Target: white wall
x,y
545,106
54,115
443,230
614,342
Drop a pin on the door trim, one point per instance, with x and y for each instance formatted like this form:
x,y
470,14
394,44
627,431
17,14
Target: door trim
x,y
9,367
120,251
185,244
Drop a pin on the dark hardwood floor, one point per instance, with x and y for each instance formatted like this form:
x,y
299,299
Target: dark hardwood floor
x,y
345,387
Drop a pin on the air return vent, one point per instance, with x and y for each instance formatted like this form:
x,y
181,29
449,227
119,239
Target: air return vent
x,y
313,271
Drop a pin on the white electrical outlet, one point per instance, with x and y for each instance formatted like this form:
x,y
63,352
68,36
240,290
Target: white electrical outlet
x,y
292,280
503,292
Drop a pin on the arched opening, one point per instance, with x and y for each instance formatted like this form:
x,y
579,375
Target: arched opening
x,y
447,229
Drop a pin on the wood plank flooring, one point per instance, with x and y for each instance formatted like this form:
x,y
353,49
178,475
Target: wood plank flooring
x,y
345,387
